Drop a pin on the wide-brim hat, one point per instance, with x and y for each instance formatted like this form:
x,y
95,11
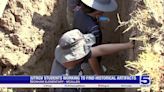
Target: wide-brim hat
x,y
102,5
81,46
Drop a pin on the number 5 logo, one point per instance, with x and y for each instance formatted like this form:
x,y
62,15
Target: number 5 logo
x,y
145,79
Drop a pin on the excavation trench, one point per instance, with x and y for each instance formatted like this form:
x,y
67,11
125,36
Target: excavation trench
x,y
46,21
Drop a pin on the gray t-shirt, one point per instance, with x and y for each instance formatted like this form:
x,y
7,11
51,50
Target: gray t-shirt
x,y
58,69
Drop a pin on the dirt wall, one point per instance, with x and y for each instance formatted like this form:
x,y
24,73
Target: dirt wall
x,y
29,32
111,35
115,63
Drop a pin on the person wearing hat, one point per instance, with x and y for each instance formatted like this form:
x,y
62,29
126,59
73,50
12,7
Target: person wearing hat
x,y
74,48
86,20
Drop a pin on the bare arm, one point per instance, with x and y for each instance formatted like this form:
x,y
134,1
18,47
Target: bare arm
x,y
96,67
107,49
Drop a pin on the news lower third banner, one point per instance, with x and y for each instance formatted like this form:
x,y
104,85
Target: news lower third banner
x,y
74,81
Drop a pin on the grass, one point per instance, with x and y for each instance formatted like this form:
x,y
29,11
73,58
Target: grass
x,y
148,20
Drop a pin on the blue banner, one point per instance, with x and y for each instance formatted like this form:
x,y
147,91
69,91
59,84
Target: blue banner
x,y
75,79
14,79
